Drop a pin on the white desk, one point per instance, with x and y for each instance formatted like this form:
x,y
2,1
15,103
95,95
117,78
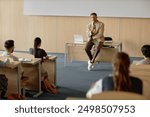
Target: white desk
x,y
32,69
50,66
77,52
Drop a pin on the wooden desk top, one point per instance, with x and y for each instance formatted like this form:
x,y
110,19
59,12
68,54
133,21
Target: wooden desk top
x,y
114,95
14,64
11,65
105,43
142,66
31,57
27,56
52,58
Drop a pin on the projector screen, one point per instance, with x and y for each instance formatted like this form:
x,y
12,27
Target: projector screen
x,y
105,8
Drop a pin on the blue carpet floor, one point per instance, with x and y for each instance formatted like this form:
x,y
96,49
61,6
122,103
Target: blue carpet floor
x,y
74,79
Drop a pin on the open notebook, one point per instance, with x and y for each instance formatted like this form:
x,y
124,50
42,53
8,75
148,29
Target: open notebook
x,y
78,39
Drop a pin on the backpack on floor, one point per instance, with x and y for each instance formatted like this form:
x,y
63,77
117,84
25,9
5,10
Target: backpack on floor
x,y
48,87
15,96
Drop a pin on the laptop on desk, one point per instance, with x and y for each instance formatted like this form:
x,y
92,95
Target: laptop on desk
x,y
78,39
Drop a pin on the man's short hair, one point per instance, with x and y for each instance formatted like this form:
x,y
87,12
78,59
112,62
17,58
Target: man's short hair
x,y
8,44
93,14
146,50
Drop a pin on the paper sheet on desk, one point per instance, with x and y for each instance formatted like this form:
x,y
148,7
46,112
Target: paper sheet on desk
x,y
25,60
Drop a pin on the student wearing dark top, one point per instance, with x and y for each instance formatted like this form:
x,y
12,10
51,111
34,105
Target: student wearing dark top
x,y
40,53
120,80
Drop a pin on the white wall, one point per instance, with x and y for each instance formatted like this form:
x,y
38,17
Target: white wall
x,y
106,8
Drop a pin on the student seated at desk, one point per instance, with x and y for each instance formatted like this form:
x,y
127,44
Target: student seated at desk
x,y
120,80
9,46
4,63
146,52
40,53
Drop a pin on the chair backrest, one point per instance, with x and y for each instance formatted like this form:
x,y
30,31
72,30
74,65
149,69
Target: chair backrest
x,y
31,51
117,95
137,86
143,73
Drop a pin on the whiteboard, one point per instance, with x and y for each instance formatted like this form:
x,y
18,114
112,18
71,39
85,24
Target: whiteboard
x,y
105,8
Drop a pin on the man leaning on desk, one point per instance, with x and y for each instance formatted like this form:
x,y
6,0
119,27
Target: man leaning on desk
x,y
95,34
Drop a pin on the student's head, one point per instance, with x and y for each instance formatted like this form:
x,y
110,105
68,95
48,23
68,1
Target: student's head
x,y
37,42
93,17
146,50
121,64
9,46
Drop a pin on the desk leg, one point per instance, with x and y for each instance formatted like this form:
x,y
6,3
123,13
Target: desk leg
x,y
55,80
19,79
66,55
39,79
120,47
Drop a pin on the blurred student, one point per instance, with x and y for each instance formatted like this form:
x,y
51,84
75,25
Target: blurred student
x,y
146,52
40,53
95,34
120,80
9,49
4,63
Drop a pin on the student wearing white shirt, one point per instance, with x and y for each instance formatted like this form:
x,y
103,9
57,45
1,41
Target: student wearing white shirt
x,y
4,63
9,46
